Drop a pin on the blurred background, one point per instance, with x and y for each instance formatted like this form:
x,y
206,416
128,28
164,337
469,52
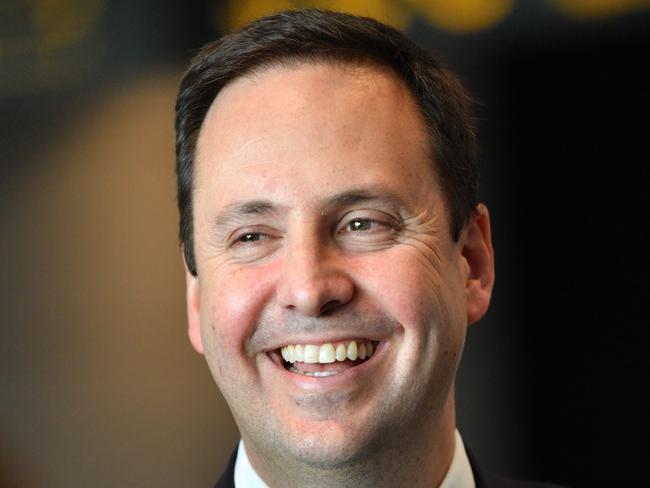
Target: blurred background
x,y
99,385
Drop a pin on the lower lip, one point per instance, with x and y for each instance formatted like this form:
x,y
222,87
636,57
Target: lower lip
x,y
335,381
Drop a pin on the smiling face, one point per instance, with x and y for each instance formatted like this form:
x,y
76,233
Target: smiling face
x,y
320,227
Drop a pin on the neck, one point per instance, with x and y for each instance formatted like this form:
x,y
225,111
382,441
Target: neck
x,y
417,455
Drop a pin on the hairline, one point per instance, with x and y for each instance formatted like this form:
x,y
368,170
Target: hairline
x,y
293,62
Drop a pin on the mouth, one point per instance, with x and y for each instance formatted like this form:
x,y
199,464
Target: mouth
x,y
328,359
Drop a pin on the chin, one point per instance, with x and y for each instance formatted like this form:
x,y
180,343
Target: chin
x,y
328,452
332,444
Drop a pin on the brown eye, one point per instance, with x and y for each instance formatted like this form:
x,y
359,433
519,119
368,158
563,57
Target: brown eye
x,y
251,237
247,245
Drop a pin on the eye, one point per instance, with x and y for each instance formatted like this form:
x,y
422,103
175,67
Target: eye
x,y
369,225
251,237
253,243
368,230
254,235
362,224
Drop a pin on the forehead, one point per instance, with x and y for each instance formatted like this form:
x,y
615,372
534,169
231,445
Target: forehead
x,y
331,123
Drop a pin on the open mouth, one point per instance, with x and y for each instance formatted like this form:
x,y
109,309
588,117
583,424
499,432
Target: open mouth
x,y
326,359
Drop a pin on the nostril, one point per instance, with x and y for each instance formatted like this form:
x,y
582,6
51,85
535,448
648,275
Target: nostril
x,y
329,307
314,288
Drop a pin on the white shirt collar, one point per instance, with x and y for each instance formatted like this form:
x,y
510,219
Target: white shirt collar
x,y
459,475
245,475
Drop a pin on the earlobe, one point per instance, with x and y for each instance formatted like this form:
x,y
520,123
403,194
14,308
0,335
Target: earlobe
x,y
193,300
479,258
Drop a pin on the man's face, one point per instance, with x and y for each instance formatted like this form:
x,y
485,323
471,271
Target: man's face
x,y
319,220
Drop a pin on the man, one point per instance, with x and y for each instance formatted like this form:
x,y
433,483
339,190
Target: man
x,y
335,249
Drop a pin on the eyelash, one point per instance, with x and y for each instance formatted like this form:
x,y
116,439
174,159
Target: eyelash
x,y
365,220
244,238
254,237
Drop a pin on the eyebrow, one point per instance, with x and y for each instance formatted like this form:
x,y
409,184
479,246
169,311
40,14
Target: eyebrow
x,y
361,195
236,212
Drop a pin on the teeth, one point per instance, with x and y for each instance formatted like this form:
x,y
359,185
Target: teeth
x,y
341,352
311,353
313,373
362,351
352,350
326,353
298,353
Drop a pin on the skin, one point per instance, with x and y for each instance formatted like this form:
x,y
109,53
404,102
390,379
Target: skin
x,y
351,240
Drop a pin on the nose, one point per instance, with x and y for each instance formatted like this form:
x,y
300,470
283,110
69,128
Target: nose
x,y
314,281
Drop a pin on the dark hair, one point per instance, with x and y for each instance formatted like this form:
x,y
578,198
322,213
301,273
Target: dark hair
x,y
317,35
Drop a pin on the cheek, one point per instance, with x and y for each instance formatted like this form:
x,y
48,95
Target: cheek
x,y
405,289
427,302
233,304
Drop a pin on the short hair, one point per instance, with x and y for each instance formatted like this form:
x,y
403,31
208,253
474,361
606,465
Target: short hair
x,y
313,35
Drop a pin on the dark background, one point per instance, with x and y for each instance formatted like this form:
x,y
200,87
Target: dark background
x,y
99,384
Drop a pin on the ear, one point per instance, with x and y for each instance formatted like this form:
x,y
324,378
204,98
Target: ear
x,y
479,258
193,299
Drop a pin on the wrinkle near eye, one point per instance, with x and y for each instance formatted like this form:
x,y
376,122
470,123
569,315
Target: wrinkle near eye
x,y
425,233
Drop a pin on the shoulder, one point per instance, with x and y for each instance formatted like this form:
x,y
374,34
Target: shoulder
x,y
497,481
487,479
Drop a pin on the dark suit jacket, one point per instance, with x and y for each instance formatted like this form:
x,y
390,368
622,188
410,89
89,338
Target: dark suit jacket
x,y
483,480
